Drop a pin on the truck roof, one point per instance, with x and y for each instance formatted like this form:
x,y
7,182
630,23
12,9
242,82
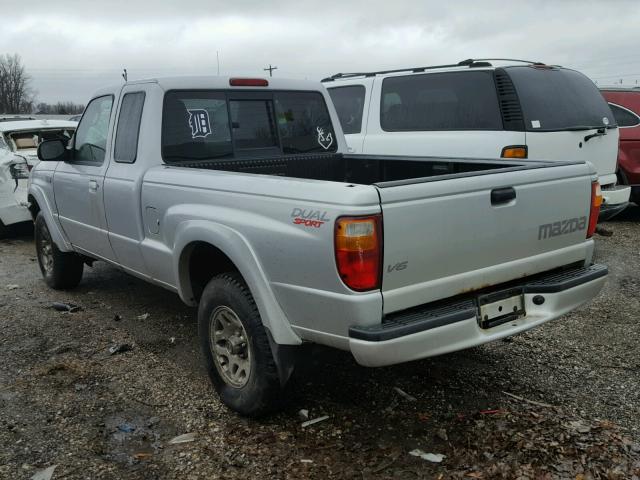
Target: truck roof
x,y
215,82
31,124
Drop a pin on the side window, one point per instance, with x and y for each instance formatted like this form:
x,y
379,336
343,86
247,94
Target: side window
x,y
128,128
91,135
440,101
195,126
349,103
624,118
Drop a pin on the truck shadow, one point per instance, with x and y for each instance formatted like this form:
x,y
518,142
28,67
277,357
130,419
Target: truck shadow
x,y
325,377
629,214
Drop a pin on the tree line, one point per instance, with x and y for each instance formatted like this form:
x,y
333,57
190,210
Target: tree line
x,y
17,96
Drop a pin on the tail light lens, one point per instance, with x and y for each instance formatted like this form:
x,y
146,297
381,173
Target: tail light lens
x,y
514,151
19,170
358,244
596,202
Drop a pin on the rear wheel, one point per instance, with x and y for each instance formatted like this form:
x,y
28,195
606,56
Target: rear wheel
x,y
4,230
61,270
236,347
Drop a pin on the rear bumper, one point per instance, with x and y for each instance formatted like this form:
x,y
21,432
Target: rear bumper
x,y
616,199
428,330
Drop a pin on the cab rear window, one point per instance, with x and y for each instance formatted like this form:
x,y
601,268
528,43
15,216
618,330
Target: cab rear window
x,y
205,125
555,99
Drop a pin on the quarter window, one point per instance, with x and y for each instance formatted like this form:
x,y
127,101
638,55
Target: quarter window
x,y
440,101
128,129
349,103
624,118
91,136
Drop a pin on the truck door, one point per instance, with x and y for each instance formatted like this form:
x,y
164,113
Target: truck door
x,y
78,182
130,160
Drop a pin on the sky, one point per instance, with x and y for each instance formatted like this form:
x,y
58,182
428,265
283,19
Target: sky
x,y
71,48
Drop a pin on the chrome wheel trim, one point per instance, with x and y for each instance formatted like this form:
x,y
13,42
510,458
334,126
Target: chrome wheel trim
x,y
229,345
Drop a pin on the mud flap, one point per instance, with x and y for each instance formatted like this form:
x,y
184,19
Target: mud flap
x,y
285,356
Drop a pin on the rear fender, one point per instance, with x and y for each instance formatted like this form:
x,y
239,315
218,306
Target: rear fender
x,y
239,251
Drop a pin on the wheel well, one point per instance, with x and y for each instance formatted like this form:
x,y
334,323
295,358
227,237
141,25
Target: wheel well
x,y
34,208
203,261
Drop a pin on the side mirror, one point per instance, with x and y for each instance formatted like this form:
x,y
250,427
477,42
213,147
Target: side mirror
x,y
52,150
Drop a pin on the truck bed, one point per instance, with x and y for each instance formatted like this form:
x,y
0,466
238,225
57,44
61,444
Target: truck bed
x,y
382,171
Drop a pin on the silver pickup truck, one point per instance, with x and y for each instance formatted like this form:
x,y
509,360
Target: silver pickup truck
x,y
235,193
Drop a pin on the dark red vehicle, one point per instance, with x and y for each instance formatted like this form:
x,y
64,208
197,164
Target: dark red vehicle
x,y
625,105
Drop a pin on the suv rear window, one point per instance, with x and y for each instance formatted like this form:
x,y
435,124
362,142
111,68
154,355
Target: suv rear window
x,y
349,103
554,99
195,124
440,101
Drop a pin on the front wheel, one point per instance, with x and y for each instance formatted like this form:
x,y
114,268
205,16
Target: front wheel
x,y
61,270
236,347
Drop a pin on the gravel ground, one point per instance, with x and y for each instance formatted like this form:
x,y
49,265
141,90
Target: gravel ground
x,y
562,401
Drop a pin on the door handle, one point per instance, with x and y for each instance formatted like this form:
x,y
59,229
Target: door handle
x,y
93,185
500,196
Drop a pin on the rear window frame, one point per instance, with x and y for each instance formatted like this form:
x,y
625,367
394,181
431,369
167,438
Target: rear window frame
x,y
498,127
238,94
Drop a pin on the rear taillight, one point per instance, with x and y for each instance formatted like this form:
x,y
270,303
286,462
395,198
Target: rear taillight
x,y
19,170
514,151
596,201
358,244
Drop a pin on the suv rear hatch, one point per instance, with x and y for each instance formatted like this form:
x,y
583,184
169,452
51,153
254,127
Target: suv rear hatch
x,y
565,117
449,235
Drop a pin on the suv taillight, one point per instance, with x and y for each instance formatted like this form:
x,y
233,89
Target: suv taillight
x,y
596,201
358,245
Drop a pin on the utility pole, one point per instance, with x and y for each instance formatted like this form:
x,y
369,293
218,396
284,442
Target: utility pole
x,y
218,60
270,69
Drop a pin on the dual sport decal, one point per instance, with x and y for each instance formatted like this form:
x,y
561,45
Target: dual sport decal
x,y
309,218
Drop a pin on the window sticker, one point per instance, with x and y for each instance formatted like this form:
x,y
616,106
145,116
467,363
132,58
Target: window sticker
x,y
199,122
605,121
535,123
325,141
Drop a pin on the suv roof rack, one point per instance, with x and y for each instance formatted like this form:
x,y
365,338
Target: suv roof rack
x,y
15,118
470,62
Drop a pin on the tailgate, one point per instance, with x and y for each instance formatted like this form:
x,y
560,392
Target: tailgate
x,y
444,237
601,151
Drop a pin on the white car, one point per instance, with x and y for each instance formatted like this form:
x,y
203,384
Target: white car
x,y
476,108
19,140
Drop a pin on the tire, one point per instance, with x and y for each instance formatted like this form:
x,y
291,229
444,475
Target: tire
x,y
4,230
60,270
253,388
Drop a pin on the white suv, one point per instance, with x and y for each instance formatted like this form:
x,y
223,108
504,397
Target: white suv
x,y
482,108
